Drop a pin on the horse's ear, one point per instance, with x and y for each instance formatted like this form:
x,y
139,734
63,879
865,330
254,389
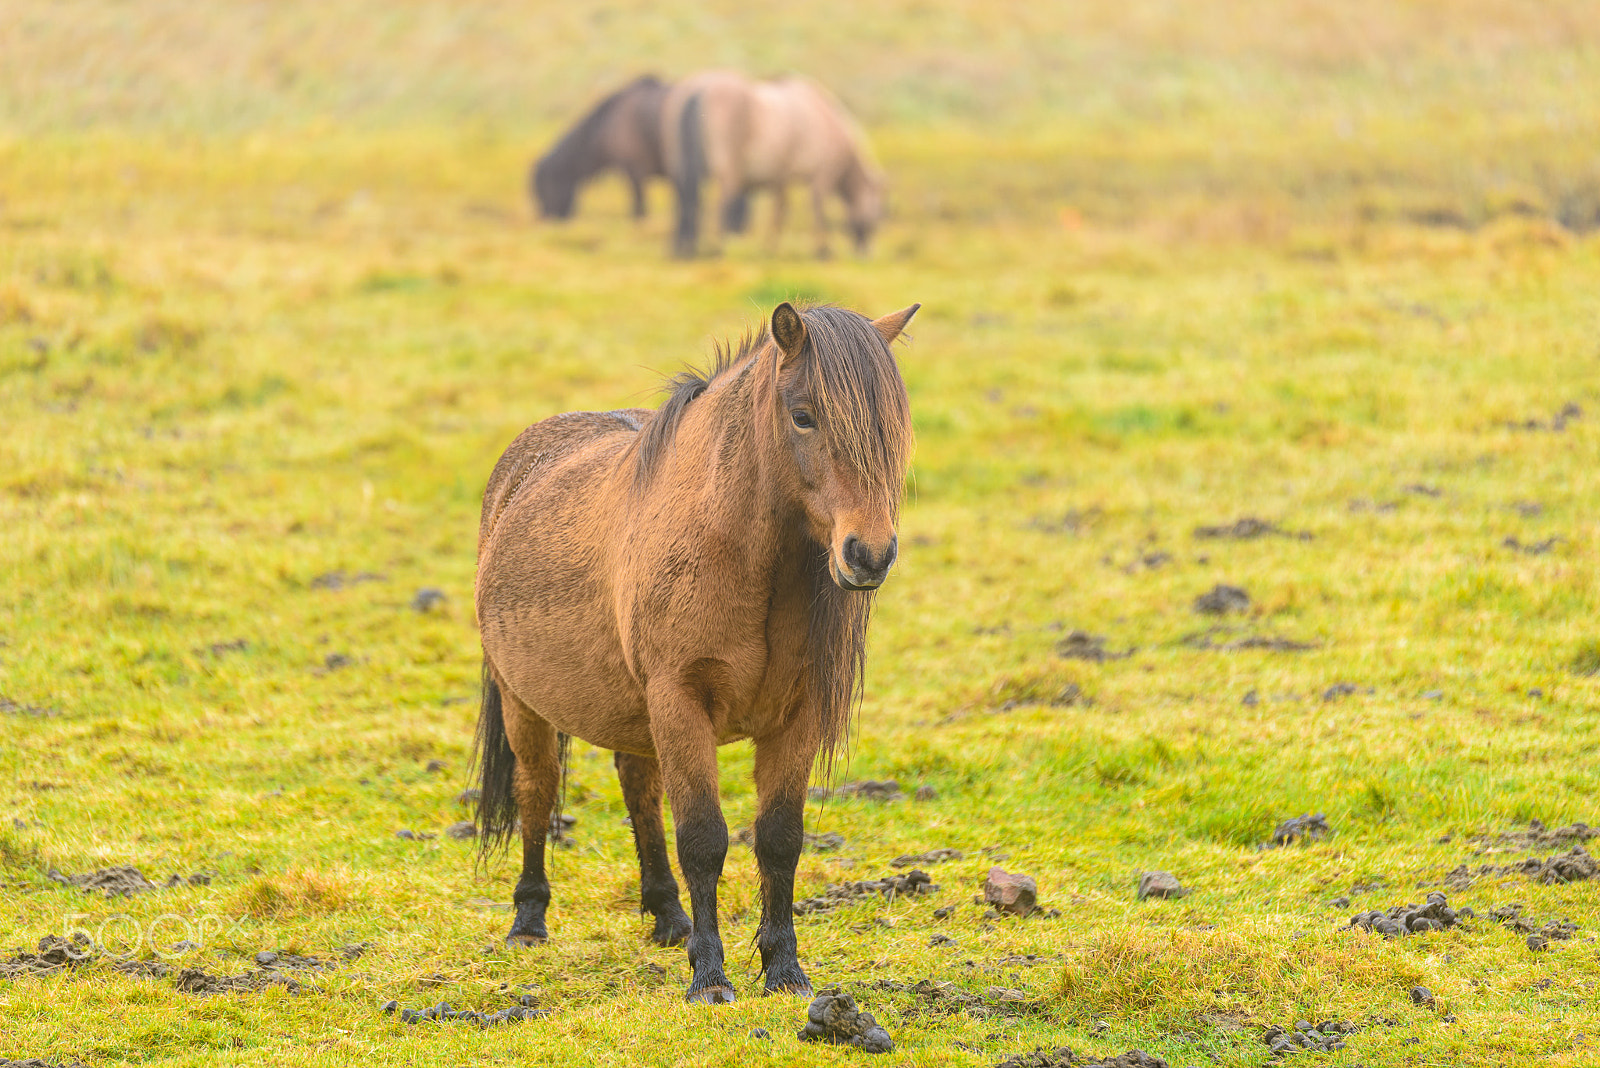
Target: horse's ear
x,y
890,325
788,330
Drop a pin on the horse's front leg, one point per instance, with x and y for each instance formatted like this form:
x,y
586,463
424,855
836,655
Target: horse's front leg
x,y
640,777
534,784
783,767
686,746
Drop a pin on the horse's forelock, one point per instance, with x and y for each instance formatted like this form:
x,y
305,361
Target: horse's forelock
x,y
850,373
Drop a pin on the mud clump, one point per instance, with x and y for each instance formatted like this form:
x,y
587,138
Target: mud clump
x,y
1435,915
1011,892
124,881
54,953
40,1062
833,1017
1249,528
1160,884
1065,1057
1081,645
1222,599
1300,829
1537,836
338,580
938,997
912,884
1538,935
199,982
1304,1037
1218,638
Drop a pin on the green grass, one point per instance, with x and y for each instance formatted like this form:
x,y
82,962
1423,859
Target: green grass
x,y
255,329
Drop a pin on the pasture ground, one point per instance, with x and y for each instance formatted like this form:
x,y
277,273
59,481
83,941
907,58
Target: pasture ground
x,y
254,372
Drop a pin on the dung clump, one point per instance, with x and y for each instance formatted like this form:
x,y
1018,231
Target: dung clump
x,y
1222,599
1305,1037
1064,1057
833,1017
911,884
1435,915
1300,829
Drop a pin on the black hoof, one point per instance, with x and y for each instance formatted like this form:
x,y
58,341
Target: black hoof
x,y
671,931
711,995
525,941
800,990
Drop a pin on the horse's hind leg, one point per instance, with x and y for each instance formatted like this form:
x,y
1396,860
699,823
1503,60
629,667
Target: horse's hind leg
x,y
686,746
783,767
538,776
658,890
819,209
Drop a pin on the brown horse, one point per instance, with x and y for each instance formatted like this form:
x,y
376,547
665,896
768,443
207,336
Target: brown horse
x,y
748,135
662,583
623,131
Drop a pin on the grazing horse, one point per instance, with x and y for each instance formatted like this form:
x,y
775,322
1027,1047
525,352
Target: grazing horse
x,y
659,583
623,131
747,135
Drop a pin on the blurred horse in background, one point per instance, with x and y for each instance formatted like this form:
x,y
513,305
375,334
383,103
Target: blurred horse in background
x,y
747,135
623,131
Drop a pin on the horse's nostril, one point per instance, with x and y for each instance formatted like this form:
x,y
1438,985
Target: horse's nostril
x,y
852,552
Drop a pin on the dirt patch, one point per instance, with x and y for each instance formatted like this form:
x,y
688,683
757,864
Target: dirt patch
x,y
932,856
1344,689
1573,866
40,1062
937,997
1306,1037
1222,599
124,881
1081,645
833,1017
202,983
1065,1057
912,884
1434,915
1249,528
1300,829
218,650
871,789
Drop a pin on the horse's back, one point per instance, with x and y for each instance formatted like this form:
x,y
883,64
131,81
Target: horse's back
x,y
544,446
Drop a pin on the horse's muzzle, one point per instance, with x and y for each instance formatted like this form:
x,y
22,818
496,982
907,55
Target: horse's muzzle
x,y
860,568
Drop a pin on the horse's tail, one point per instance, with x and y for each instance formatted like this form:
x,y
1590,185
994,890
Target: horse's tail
x,y
691,170
496,765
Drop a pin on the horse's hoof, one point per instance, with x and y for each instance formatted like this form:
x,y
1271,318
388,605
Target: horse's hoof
x,y
800,990
525,941
668,933
711,995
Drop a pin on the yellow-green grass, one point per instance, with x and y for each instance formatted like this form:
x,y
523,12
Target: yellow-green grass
x,y
241,351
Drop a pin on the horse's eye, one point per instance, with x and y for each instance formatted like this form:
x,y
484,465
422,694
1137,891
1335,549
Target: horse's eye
x,y
802,419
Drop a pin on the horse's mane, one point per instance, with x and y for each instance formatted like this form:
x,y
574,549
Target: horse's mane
x,y
851,377
573,157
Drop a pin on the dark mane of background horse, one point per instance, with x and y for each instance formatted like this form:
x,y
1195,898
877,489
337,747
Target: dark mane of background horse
x,y
849,373
586,150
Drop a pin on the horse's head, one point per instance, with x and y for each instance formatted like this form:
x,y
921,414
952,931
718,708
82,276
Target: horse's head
x,y
863,190
843,427
554,190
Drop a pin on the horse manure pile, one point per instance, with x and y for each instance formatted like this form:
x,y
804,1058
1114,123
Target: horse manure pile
x,y
443,1013
54,953
939,997
834,1018
912,884
1065,1057
199,982
1573,866
40,1062
1435,915
1306,1037
124,881
1300,829
1081,645
1537,836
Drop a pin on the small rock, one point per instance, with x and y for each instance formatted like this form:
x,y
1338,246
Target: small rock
x,y
1013,893
266,958
1162,884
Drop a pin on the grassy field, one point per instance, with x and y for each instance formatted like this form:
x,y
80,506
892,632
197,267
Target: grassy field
x,y
271,304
